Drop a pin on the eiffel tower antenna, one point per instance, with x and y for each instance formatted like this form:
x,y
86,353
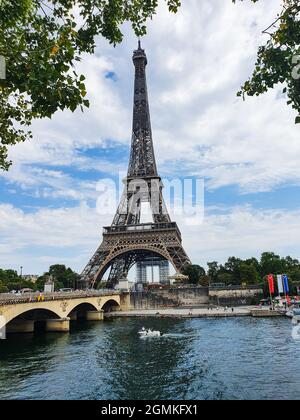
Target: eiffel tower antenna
x,y
128,241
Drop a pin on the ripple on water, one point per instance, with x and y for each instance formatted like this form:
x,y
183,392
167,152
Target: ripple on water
x,y
240,358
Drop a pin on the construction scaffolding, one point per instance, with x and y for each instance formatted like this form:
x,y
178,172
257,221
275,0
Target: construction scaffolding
x,y
141,270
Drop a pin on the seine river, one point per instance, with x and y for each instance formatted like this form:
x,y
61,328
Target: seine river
x,y
240,358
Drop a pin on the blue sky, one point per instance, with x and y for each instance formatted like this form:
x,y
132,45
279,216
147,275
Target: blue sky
x,y
247,152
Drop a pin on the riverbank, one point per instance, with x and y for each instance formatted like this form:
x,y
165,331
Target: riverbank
x,y
243,311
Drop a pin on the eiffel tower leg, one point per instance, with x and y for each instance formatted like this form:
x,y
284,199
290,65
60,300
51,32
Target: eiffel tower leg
x,y
90,271
121,215
178,257
160,212
120,268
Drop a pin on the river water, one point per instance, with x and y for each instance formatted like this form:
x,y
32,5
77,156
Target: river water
x,y
240,358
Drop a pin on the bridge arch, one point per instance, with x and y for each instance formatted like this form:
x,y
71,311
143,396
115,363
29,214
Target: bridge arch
x,y
93,304
110,305
23,312
82,307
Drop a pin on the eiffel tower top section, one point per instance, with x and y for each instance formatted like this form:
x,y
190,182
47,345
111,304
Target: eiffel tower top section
x,y
142,159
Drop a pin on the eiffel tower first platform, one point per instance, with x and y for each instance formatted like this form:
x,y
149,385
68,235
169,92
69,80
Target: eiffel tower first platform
x,y
127,241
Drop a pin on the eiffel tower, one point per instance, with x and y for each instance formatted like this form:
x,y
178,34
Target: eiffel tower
x,y
128,241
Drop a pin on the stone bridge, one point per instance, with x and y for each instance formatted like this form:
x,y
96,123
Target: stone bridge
x,y
54,311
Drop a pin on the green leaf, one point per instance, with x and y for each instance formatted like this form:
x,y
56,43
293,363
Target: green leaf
x,y
41,43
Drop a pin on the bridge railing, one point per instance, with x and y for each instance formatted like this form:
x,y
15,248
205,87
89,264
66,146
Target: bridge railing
x,y
11,299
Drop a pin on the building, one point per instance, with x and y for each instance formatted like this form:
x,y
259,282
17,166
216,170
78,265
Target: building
x,y
141,270
49,285
125,285
178,278
32,278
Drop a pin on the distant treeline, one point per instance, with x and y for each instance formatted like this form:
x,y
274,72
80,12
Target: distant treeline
x,y
252,271
63,277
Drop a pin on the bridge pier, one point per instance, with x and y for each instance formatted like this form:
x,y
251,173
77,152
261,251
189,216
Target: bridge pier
x,y
58,325
20,326
95,315
125,302
73,316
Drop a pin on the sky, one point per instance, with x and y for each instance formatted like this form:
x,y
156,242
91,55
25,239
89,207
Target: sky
x,y
247,152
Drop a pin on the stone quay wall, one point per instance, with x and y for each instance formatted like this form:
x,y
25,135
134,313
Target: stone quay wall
x,y
173,297
236,296
195,296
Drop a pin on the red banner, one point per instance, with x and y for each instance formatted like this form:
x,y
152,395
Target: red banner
x,y
271,284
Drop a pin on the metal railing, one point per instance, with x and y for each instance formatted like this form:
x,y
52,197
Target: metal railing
x,y
11,299
141,227
237,287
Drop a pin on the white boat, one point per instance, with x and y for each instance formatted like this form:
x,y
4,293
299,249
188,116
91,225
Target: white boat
x,y
290,313
296,317
294,314
149,333
297,312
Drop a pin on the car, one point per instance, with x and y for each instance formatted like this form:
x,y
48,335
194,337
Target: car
x,y
26,290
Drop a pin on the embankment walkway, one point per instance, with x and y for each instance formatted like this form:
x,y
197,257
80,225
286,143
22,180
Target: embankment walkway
x,y
242,311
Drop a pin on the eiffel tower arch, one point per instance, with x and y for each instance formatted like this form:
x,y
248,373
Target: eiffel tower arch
x,y
128,241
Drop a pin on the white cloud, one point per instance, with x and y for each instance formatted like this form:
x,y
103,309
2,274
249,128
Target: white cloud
x,y
244,232
71,235
197,61
27,238
202,124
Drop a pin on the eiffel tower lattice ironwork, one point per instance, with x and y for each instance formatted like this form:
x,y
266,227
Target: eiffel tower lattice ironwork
x,y
128,241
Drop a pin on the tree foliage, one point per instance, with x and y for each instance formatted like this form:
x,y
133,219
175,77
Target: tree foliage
x,y
63,277
213,270
41,42
278,61
10,280
195,273
252,271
